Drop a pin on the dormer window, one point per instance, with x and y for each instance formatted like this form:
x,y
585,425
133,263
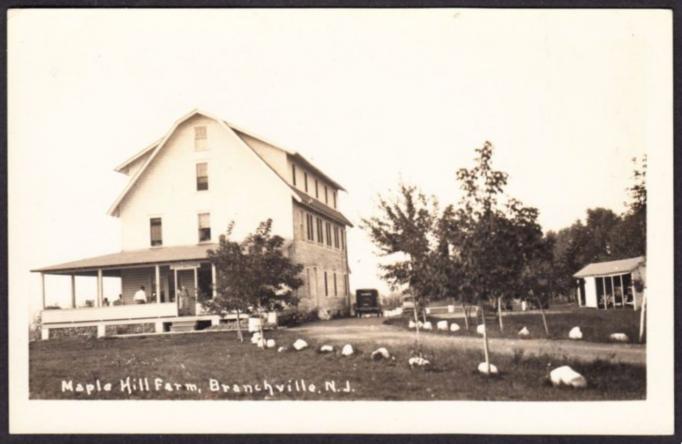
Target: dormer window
x,y
293,174
200,138
334,197
326,196
202,176
305,181
317,190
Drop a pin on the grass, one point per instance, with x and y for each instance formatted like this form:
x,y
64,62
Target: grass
x,y
198,358
596,325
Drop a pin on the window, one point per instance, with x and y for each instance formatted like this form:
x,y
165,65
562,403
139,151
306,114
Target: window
x,y
293,174
326,200
328,226
305,181
334,196
301,223
336,236
343,239
320,235
317,194
202,176
155,231
326,286
204,227
335,288
309,227
200,138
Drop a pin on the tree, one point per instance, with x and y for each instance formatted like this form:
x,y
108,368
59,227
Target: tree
x,y
252,275
404,231
492,236
629,238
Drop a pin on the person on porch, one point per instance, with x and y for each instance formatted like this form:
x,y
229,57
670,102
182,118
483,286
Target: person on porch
x,y
140,296
183,299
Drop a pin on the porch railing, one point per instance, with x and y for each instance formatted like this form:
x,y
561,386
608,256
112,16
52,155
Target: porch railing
x,y
111,313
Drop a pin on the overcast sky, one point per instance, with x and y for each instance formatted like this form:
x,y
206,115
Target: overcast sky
x,y
371,97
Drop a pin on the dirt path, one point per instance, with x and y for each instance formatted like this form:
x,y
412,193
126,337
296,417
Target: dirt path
x,y
373,331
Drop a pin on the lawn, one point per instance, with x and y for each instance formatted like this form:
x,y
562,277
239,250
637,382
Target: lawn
x,y
596,325
200,362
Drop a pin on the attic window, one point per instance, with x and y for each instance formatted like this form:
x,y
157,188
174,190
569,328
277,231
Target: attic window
x,y
200,138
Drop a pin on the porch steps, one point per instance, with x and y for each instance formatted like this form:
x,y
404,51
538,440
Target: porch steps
x,y
183,326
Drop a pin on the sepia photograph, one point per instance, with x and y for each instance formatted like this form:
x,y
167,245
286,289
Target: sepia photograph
x,y
268,213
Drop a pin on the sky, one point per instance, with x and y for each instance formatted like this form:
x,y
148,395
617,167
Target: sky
x,y
371,97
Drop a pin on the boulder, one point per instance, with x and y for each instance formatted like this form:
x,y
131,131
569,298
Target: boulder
x,y
442,325
411,324
454,327
565,375
260,343
619,337
480,329
255,337
575,333
300,344
487,369
427,326
282,348
347,350
524,333
380,353
418,361
326,348
270,343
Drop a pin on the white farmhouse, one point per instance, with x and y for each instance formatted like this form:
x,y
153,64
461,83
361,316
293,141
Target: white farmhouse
x,y
184,190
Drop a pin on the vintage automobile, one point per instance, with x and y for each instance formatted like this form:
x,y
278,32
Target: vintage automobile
x,y
367,302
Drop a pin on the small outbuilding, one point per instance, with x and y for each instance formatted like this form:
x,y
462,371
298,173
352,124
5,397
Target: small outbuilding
x,y
613,284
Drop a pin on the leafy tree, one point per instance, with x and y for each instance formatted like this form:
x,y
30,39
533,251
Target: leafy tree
x,y
629,238
252,275
492,236
404,231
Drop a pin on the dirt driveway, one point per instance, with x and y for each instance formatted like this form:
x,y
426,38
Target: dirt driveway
x,y
372,330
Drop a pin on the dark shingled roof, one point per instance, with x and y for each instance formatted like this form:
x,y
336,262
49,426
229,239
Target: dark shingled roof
x,y
134,257
611,267
321,208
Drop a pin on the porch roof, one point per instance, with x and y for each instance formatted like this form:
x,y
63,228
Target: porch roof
x,y
134,257
611,267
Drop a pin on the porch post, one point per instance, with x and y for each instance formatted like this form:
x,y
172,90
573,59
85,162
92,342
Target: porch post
x,y
213,282
99,287
196,283
634,293
42,287
157,273
73,291
175,284
622,291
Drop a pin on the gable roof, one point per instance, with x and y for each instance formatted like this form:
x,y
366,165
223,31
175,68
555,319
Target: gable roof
x,y
156,147
610,267
290,154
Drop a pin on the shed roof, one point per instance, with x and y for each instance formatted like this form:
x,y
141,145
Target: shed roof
x,y
321,208
610,267
134,257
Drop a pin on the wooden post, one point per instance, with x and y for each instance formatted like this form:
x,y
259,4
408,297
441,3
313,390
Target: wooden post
x,y
214,288
622,291
157,276
42,287
196,282
100,287
73,291
175,285
642,318
634,293
499,313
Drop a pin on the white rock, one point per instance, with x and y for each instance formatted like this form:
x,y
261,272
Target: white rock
x,y
260,343
270,343
411,324
619,337
427,326
300,344
255,338
480,329
420,324
487,369
454,327
442,325
281,349
575,333
565,375
524,333
381,352
326,348
347,350
418,361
